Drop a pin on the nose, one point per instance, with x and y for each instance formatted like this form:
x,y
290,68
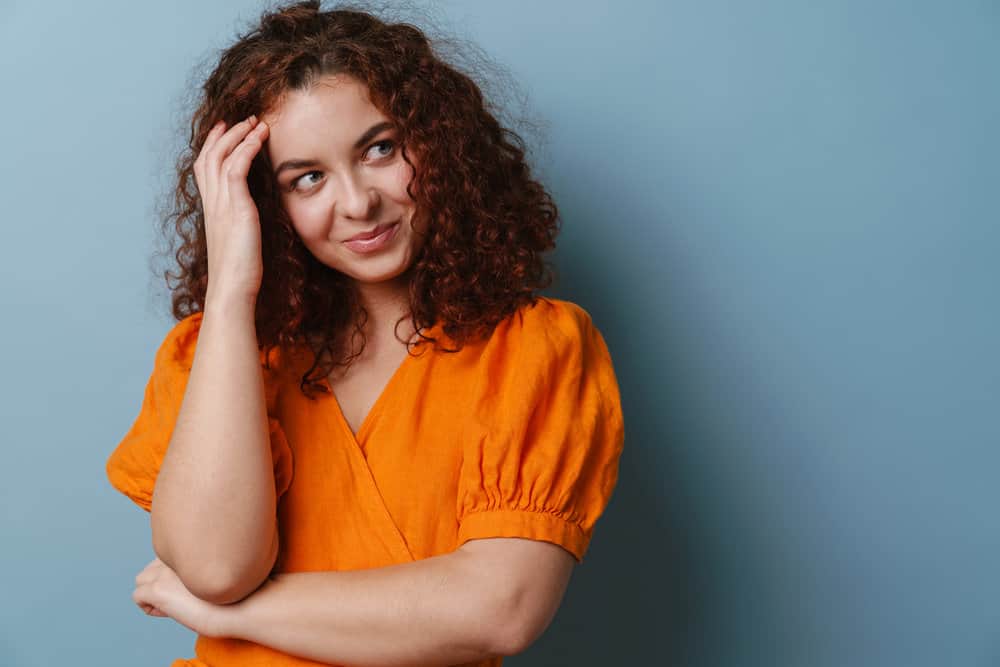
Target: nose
x,y
357,199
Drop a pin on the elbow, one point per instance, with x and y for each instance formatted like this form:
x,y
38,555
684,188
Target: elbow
x,y
525,620
213,584
211,579
221,590
510,640
513,634
220,586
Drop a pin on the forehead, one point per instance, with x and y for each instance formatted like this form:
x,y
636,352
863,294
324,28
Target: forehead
x,y
333,112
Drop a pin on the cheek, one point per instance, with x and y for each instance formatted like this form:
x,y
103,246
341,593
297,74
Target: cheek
x,y
308,221
401,177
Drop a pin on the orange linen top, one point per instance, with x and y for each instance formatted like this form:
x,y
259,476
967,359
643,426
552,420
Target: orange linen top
x,y
517,435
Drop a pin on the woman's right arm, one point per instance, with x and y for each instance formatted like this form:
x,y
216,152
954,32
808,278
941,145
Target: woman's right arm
x,y
214,507
213,512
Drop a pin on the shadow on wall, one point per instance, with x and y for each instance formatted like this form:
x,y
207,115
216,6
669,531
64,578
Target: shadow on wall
x,y
634,598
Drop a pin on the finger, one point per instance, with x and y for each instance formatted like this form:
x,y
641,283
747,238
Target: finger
x,y
219,176
141,600
207,167
221,148
145,575
214,134
210,138
139,596
237,166
151,610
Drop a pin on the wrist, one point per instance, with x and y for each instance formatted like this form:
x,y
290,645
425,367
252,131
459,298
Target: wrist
x,y
230,301
232,620
227,620
230,306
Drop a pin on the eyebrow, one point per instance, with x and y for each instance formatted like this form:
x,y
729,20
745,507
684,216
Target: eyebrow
x,y
365,138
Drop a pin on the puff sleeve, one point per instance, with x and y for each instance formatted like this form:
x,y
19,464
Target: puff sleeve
x,y
543,461
133,466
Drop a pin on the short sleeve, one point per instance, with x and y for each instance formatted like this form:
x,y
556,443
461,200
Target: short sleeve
x,y
543,462
133,466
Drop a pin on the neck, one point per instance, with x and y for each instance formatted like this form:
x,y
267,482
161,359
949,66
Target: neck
x,y
386,302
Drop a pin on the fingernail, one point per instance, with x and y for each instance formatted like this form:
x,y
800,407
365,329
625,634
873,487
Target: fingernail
x,y
253,120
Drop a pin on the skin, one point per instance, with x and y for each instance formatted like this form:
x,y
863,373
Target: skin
x,y
349,190
445,608
219,446
490,597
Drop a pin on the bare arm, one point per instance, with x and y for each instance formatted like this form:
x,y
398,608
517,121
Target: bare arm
x,y
442,610
490,597
213,513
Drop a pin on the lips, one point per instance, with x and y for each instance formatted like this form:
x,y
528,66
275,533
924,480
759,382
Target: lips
x,y
363,236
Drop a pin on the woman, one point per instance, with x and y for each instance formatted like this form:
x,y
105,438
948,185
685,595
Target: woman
x,y
322,486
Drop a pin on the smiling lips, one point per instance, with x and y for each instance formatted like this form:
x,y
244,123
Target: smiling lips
x,y
364,236
371,242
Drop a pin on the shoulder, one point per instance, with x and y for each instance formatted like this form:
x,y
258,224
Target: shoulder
x,y
178,345
546,331
541,344
556,321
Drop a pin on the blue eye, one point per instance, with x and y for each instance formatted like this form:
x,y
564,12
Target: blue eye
x,y
385,142
295,183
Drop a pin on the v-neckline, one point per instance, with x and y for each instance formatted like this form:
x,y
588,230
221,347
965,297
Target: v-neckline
x,y
394,379
364,427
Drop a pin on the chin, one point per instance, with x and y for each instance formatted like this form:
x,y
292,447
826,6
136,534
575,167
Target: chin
x,y
376,272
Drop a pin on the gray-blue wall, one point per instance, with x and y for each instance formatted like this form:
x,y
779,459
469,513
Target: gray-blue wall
x,y
783,217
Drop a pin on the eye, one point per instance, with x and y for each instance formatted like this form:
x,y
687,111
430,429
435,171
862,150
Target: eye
x,y
295,184
385,142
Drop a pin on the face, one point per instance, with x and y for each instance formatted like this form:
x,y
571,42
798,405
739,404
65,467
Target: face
x,y
340,173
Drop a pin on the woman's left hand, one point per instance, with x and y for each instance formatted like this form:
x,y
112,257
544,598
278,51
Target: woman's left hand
x,y
159,592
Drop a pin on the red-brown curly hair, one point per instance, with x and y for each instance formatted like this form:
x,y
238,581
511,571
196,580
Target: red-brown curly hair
x,y
489,220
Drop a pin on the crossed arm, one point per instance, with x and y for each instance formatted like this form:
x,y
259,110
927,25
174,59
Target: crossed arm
x,y
490,597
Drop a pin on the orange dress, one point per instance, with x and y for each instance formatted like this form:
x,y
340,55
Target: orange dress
x,y
516,435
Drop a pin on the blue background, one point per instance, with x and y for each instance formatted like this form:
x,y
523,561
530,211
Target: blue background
x,y
782,216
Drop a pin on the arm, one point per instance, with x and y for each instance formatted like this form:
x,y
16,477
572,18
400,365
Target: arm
x,y
490,597
213,513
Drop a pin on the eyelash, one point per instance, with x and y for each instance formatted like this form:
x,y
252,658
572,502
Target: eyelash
x,y
392,144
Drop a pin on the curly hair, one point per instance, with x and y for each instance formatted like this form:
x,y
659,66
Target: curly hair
x,y
491,221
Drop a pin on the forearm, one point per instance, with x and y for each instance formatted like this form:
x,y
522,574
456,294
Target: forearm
x,y
434,611
213,512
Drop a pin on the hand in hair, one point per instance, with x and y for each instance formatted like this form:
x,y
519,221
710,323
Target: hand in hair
x,y
232,222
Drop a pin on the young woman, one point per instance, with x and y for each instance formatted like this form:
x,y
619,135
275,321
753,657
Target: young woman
x,y
367,440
